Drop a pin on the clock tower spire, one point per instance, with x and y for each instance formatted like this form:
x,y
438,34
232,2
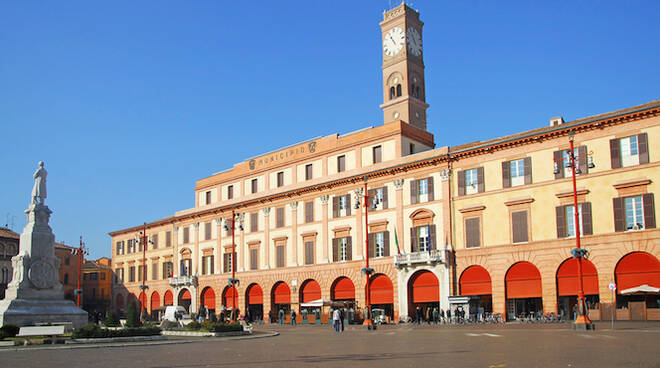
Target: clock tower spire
x,y
404,96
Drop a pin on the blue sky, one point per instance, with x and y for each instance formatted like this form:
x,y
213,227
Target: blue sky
x,y
129,103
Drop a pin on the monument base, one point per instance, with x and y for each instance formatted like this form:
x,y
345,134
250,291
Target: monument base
x,y
28,312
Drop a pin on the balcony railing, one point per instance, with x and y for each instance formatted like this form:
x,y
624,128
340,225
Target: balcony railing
x,y
428,257
183,281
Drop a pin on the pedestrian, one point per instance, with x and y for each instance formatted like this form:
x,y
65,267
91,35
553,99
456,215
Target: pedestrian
x,y
575,310
341,319
293,317
418,315
335,319
427,315
280,316
270,316
201,314
442,316
435,315
449,316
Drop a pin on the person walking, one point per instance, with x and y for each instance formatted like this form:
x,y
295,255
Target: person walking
x,y
442,316
293,317
335,319
448,316
341,319
435,315
270,316
418,315
280,316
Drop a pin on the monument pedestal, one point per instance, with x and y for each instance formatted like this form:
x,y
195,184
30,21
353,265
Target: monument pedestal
x,y
27,312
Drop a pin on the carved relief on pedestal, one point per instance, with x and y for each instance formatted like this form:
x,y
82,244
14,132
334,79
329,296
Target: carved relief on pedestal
x,y
42,274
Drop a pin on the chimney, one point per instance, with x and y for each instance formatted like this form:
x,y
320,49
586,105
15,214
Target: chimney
x,y
556,121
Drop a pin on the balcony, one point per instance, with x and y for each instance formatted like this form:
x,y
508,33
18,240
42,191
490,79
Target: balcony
x,y
183,281
427,257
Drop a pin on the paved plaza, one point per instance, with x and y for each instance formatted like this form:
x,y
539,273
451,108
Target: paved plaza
x,y
630,345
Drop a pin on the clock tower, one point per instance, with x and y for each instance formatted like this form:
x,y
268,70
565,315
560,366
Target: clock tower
x,y
404,96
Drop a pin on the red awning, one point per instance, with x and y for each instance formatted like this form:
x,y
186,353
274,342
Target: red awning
x,y
228,297
636,269
523,280
186,295
343,289
475,280
168,299
208,298
567,280
255,295
155,300
311,291
425,288
381,290
282,294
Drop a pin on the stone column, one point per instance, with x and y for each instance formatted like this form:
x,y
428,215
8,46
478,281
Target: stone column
x,y
217,259
324,227
398,187
451,287
358,245
241,247
195,251
175,247
267,244
294,229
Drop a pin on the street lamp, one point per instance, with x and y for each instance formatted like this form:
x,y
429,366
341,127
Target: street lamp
x,y
81,251
582,322
142,240
368,271
233,281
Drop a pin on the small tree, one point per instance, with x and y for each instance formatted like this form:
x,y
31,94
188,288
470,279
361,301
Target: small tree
x,y
132,315
112,318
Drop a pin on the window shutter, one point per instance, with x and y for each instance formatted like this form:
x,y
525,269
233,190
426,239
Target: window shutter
x,y
582,159
348,204
528,170
587,227
643,148
386,242
309,212
280,256
370,198
561,221
430,184
557,156
280,217
372,245
309,252
254,222
461,183
335,250
225,262
254,259
519,226
335,207
207,231
615,156
432,237
481,184
413,191
349,248
472,238
619,215
506,174
649,211
385,197
413,239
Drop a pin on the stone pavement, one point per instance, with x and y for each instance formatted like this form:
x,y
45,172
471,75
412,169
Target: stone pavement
x,y
513,345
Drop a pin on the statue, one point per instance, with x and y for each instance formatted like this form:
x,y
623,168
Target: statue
x,y
39,189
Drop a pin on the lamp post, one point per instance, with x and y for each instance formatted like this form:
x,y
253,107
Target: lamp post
x,y
81,251
582,322
233,281
143,288
368,271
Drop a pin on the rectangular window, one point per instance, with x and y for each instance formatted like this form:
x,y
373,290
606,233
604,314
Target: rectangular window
x,y
379,246
131,274
308,172
254,259
629,151
186,235
230,192
103,276
168,270
280,179
279,253
254,222
519,226
423,238
207,265
130,245
378,154
633,207
379,198
411,148
120,274
423,187
471,181
517,170
309,252
570,220
309,212
343,205
279,217
208,197
185,267
207,231
154,241
168,239
472,233
255,186
154,272
343,249
341,163
227,262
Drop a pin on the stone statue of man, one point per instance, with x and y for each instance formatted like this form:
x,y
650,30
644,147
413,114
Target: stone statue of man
x,y
39,189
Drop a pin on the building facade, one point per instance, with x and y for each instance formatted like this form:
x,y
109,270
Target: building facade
x,y
69,269
97,285
9,241
490,221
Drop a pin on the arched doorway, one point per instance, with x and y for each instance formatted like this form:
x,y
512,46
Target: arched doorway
x,y
475,282
254,303
168,298
310,290
343,290
381,295
154,306
523,290
119,302
229,296
185,299
423,295
568,285
207,299
280,297
631,273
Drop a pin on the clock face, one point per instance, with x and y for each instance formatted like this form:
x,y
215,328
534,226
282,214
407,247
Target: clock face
x,y
414,41
393,41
